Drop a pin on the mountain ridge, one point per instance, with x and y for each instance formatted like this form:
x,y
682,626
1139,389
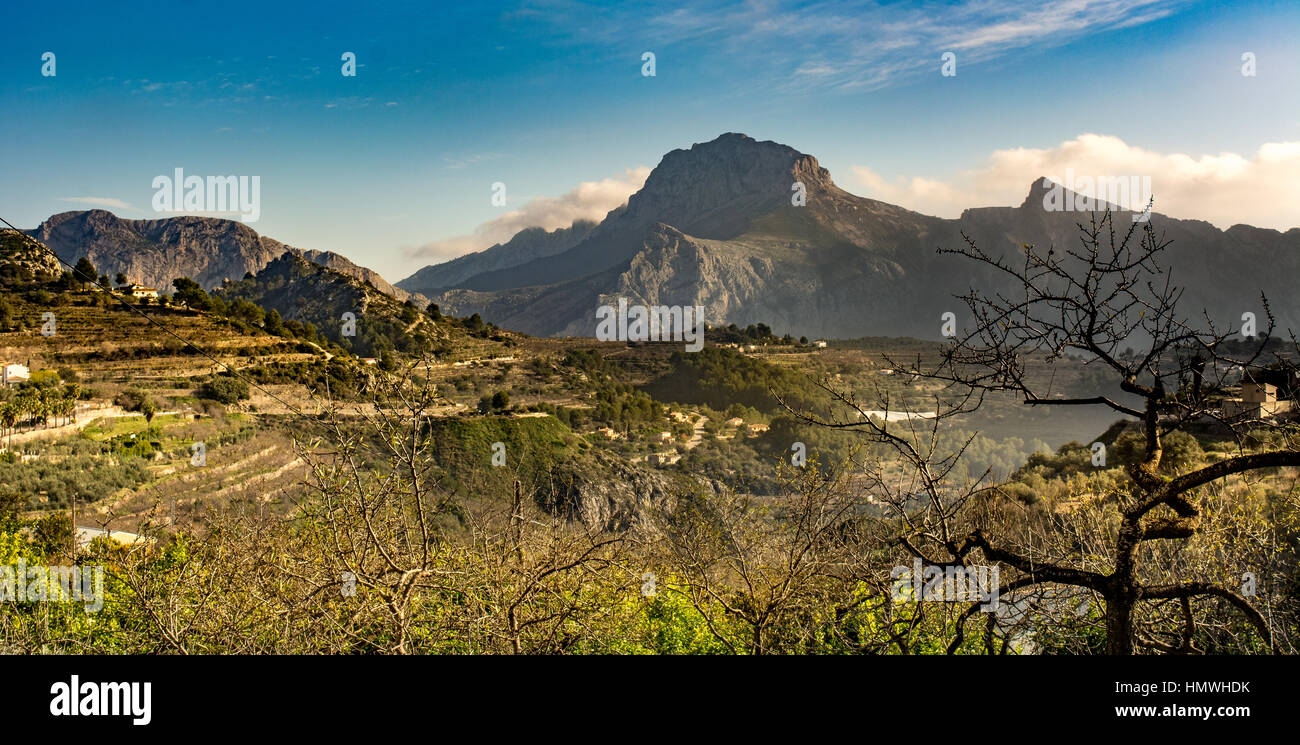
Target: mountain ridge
x,y
208,250
715,225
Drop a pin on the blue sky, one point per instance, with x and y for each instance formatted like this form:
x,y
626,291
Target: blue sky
x,y
394,167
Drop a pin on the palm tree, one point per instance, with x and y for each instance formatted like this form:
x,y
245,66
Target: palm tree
x,y
45,406
9,418
26,404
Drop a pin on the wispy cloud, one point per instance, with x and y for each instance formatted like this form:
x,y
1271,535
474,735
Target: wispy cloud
x,y
98,202
844,43
349,103
1222,188
591,200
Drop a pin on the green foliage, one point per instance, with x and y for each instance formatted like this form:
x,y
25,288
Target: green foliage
x,y
1180,451
308,301
191,294
462,451
617,403
225,389
340,379
752,334
719,378
84,271
247,312
8,319
274,323
87,476
134,399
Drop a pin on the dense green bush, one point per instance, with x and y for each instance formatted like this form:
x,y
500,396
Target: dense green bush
x,y
224,389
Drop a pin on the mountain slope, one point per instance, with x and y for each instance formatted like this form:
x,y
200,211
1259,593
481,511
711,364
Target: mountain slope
x,y
525,246
206,249
307,292
715,226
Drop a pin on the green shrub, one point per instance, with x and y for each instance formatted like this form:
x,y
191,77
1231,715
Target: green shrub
x,y
224,389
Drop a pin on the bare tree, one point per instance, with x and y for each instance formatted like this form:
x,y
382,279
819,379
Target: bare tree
x,y
1091,305
480,574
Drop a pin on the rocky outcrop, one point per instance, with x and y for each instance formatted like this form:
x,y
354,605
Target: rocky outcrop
x,y
206,249
154,252
23,261
714,226
615,495
342,265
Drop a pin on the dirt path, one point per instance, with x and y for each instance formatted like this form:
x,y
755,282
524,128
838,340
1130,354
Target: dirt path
x,y
697,436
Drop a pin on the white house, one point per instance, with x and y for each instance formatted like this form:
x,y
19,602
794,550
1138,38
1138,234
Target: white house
x,y
137,291
666,458
10,374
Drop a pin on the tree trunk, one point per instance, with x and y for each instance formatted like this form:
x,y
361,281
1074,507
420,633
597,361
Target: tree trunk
x,y
1121,596
1119,623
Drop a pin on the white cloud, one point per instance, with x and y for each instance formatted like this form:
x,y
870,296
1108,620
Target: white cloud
x,y
98,201
846,44
1223,189
591,200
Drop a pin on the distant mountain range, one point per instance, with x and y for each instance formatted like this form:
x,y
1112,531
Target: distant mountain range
x,y
715,226
525,246
208,250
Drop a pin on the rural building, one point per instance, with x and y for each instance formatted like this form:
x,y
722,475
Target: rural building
x,y
10,374
607,432
735,421
1258,401
666,458
820,344
86,534
755,429
138,291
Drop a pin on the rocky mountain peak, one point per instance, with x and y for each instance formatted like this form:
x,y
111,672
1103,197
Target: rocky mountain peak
x,y
719,172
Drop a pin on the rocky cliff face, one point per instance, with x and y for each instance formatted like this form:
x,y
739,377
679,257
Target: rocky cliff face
x,y
717,189
615,495
206,249
342,265
23,261
713,190
154,252
714,226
